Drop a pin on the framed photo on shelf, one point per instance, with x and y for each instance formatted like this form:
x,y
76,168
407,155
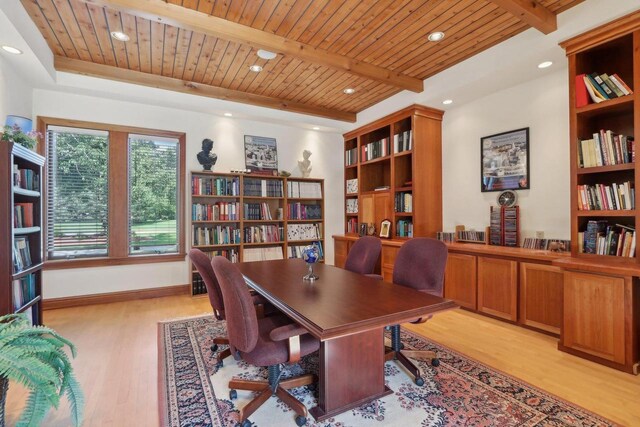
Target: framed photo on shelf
x,y
385,228
261,154
504,161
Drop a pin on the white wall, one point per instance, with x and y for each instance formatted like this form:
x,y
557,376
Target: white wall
x,y
15,93
228,136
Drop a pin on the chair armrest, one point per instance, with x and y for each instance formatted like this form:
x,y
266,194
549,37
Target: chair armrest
x,y
374,276
287,331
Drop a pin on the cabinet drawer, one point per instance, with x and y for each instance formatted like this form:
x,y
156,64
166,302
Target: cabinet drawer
x,y
460,280
541,296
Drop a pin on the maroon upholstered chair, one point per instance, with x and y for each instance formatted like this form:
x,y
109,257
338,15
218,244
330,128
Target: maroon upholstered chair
x,y
364,255
420,265
203,265
270,341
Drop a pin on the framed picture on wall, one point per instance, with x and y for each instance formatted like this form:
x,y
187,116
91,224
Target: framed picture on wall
x,y
504,161
261,154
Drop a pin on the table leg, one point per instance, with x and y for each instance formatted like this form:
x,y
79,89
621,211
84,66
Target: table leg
x,y
351,373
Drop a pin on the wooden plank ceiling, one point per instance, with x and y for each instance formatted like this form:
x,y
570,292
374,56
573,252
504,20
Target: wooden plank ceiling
x,y
377,47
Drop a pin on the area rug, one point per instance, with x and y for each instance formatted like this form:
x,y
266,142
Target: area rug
x,y
193,391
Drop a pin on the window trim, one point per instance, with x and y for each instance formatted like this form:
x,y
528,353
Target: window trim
x,y
118,249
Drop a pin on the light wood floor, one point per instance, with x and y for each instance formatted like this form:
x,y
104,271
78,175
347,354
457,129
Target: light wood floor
x,y
117,361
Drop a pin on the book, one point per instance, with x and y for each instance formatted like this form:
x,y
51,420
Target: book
x,y
621,84
582,95
605,78
606,89
593,93
597,87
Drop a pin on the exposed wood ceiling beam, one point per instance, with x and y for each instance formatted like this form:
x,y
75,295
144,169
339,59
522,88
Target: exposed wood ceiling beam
x,y
185,18
77,66
532,13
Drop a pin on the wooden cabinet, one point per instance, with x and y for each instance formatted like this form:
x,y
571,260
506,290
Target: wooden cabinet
x,y
341,249
498,287
376,207
388,259
460,280
541,296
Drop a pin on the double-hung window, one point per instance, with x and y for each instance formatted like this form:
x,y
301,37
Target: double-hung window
x,y
114,194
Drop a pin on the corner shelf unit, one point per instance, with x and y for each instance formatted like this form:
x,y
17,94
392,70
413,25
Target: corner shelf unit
x,y
253,217
21,239
393,171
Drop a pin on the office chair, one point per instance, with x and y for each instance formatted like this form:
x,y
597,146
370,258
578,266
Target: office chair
x,y
203,265
364,255
420,265
270,341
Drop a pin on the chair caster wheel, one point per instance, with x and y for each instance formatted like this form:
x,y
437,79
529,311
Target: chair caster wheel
x,y
245,423
233,395
300,420
219,364
435,362
419,382
401,346
214,347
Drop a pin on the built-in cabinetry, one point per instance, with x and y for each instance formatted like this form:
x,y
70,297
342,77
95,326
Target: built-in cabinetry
x,y
21,244
393,171
254,217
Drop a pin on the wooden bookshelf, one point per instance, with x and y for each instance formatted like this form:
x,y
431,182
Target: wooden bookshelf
x,y
411,165
21,285
297,204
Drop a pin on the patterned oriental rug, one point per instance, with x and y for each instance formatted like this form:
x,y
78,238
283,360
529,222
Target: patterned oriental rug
x,y
460,392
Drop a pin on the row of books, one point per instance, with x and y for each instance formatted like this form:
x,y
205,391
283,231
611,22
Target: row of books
x,y
352,225
21,254
26,178
304,190
404,228
602,238
24,290
231,254
504,226
262,187
304,231
374,150
546,244
403,202
446,236
262,254
352,205
23,215
471,235
606,148
198,285
263,234
606,197
211,186
218,211
296,251
257,211
217,235
351,156
599,87
304,211
403,141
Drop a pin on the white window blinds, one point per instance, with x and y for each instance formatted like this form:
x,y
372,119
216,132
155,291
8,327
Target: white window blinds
x,y
77,192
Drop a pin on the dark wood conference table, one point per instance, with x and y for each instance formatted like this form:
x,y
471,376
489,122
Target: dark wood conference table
x,y
347,312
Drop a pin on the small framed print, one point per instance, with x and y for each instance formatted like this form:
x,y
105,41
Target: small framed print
x,y
363,229
504,161
385,228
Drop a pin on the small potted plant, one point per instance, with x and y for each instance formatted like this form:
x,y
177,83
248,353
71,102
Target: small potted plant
x,y
14,134
34,356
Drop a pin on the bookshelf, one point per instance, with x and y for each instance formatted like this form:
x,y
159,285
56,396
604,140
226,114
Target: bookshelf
x,y
393,170
254,217
21,257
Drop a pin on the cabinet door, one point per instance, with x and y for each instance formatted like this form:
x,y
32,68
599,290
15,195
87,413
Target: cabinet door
x,y
388,258
374,208
460,280
594,308
498,287
340,251
541,296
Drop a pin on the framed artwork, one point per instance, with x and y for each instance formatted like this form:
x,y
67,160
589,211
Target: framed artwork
x,y
261,154
385,228
504,161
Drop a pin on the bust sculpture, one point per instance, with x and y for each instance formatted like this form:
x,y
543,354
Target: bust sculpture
x,y
206,158
305,164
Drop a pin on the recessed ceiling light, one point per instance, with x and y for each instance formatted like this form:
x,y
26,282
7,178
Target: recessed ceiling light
x,y
12,49
120,36
436,36
349,91
228,114
265,54
255,68
545,64
316,128
447,101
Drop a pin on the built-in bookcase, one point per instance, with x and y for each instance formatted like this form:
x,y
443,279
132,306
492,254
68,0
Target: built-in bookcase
x,y
254,217
604,174
397,173
21,253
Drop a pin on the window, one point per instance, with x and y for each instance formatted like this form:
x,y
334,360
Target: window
x,y
114,194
